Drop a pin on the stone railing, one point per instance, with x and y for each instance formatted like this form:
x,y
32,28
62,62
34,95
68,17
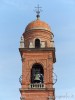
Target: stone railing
x,y
37,85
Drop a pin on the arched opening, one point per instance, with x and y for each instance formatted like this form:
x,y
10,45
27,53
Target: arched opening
x,y
37,73
37,43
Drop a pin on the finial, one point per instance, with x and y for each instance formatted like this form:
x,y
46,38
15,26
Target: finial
x,y
38,10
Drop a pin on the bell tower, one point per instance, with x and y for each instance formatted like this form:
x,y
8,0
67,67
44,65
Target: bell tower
x,y
38,56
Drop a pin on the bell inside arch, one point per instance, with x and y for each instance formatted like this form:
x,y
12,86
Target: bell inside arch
x,y
37,78
37,74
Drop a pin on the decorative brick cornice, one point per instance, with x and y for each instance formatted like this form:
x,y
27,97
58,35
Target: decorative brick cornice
x,y
39,50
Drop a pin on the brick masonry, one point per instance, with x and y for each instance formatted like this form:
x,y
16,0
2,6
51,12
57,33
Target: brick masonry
x,y
45,57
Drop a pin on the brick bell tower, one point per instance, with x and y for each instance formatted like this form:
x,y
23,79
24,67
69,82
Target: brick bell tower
x,y
38,56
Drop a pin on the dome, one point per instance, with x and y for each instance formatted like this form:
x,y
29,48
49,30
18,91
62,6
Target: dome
x,y
38,24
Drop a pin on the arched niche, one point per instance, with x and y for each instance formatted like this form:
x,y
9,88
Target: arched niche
x,y
37,73
37,43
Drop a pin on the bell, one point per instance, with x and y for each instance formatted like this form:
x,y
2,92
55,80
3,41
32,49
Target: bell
x,y
37,78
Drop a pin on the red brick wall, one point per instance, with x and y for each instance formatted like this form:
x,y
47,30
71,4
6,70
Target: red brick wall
x,y
43,57
41,34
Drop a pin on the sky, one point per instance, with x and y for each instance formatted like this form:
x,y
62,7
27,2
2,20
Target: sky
x,y
14,17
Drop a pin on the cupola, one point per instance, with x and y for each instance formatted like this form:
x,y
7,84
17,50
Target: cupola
x,y
37,24
38,34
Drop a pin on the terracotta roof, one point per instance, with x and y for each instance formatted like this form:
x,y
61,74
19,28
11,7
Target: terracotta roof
x,y
38,24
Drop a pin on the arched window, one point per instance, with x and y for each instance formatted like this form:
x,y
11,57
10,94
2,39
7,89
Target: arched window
x,y
37,73
37,43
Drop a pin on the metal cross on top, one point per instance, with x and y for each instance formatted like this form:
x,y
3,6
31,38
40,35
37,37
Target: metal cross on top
x,y
38,10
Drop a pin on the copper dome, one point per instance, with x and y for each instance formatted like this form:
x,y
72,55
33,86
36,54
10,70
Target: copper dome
x,y
38,24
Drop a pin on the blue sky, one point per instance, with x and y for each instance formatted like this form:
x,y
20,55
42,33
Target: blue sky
x,y
14,16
